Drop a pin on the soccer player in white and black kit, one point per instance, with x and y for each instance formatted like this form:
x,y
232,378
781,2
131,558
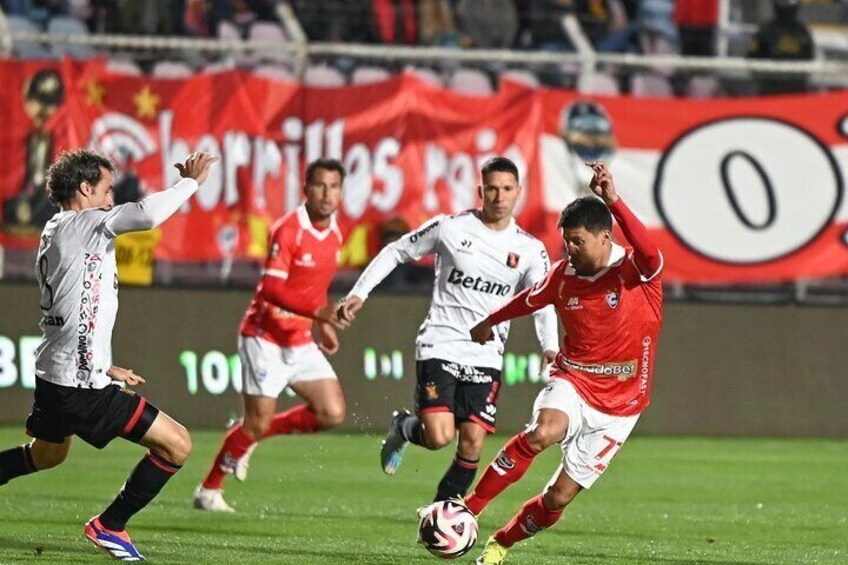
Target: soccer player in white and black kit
x,y
482,259
75,390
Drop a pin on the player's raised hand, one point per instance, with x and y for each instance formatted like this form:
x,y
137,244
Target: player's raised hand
x,y
348,307
482,332
125,375
328,340
602,183
196,166
327,314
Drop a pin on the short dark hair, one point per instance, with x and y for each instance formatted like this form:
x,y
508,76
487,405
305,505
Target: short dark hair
x,y
327,165
587,212
499,165
71,169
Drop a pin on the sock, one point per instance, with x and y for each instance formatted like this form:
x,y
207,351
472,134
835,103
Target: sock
x,y
457,479
16,462
235,445
530,520
509,466
142,486
412,430
299,419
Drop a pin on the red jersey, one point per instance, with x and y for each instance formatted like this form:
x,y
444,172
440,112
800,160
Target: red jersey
x,y
612,320
298,270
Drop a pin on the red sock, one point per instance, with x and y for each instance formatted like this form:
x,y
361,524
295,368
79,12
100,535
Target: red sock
x,y
235,445
530,520
300,419
509,466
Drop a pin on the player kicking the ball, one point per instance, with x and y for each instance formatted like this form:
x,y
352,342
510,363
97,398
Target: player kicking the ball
x,y
74,389
275,342
482,259
609,299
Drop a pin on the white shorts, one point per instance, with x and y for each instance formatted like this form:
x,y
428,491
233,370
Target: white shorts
x,y
593,438
267,369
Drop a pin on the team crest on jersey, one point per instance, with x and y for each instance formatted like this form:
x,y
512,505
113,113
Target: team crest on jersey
x,y
275,249
512,260
431,391
613,299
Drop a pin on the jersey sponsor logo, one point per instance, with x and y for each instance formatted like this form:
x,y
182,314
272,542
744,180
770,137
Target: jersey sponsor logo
x,y
573,303
89,306
489,413
646,364
465,246
613,299
457,277
420,233
53,321
305,260
512,260
622,371
466,373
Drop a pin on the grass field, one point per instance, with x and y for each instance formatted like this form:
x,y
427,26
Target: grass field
x,y
322,499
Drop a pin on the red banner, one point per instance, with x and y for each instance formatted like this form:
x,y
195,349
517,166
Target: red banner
x,y
735,190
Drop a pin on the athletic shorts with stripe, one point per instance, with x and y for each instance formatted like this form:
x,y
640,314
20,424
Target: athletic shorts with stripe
x,y
95,415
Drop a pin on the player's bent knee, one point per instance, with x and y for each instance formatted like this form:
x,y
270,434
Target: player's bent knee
x,y
256,428
179,447
49,460
437,439
331,416
470,448
557,497
542,437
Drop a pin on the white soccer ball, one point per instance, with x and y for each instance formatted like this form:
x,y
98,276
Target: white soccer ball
x,y
448,529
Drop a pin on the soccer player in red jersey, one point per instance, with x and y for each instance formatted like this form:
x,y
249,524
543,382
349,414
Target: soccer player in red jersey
x,y
275,342
609,299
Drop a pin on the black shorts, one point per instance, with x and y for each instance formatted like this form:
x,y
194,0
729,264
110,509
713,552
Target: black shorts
x,y
470,393
97,416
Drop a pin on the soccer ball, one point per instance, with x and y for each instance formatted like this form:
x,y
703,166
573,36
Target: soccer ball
x,y
447,529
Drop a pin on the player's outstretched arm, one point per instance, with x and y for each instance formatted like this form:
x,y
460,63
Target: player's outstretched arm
x,y
525,302
411,247
156,208
646,253
274,291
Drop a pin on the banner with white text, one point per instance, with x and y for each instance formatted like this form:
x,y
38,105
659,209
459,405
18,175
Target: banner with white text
x,y
744,190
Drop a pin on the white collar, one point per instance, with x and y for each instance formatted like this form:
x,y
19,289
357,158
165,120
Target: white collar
x,y
306,224
616,256
478,213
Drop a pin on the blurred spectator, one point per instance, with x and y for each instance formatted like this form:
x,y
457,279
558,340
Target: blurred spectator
x,y
104,16
436,24
783,38
395,21
491,24
350,21
544,22
657,30
604,22
697,21
149,17
196,18
38,11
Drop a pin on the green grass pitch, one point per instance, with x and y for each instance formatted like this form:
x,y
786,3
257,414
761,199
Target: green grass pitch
x,y
323,499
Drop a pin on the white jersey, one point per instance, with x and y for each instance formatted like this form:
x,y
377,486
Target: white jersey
x,y
77,273
478,270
